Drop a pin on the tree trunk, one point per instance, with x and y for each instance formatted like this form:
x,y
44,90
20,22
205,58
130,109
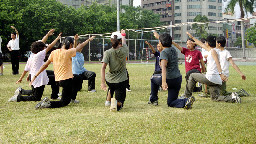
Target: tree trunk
x,y
242,27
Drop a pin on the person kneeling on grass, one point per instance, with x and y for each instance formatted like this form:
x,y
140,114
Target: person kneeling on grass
x,y
116,78
225,59
62,65
214,75
33,65
171,76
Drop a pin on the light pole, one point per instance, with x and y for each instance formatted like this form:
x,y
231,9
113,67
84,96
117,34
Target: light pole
x,y
117,15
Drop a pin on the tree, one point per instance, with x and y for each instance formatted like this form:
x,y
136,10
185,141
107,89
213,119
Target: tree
x,y
200,28
251,35
238,42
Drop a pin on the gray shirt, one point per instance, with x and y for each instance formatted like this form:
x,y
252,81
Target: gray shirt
x,y
172,69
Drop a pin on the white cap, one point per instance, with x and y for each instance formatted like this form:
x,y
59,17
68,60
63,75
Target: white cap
x,y
118,34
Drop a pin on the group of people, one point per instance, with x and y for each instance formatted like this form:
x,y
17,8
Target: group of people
x,y
69,72
214,77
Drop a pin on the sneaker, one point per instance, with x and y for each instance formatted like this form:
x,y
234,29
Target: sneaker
x,y
107,103
59,94
155,103
235,97
1,74
160,89
182,96
13,98
92,91
74,101
189,103
244,92
128,89
113,106
17,91
45,103
58,98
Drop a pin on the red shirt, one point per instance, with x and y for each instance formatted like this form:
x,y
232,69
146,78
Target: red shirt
x,y
192,59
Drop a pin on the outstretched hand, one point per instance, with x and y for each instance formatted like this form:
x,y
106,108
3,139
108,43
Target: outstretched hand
x,y
91,38
122,31
76,37
51,32
164,86
13,27
223,77
156,35
19,81
189,35
147,42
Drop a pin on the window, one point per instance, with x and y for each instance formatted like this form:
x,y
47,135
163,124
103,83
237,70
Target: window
x,y
212,7
192,0
177,21
194,13
177,28
211,0
219,28
163,2
177,14
190,20
212,28
219,7
211,14
194,6
177,1
177,7
219,1
220,14
177,35
189,28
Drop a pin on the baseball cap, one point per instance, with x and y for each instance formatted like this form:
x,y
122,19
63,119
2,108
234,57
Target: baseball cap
x,y
118,34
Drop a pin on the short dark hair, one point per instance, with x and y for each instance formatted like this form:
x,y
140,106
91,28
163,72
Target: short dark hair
x,y
203,40
14,33
67,42
221,40
211,40
166,40
115,42
37,47
192,41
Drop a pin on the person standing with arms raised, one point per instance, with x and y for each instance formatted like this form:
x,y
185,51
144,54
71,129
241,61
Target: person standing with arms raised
x,y
14,48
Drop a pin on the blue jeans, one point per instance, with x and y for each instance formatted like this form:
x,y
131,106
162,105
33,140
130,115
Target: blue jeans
x,y
174,86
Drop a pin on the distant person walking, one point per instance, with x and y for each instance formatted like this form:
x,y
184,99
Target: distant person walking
x,y
13,47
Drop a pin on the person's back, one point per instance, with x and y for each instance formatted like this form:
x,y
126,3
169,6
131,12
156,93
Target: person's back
x,y
117,64
62,63
78,63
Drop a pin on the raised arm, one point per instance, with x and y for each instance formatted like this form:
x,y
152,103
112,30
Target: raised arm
x,y
21,77
236,68
216,59
53,43
151,47
198,42
177,46
76,37
81,46
42,68
47,35
123,37
17,33
156,35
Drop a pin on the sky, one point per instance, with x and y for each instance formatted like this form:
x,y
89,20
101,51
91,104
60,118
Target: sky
x,y
136,3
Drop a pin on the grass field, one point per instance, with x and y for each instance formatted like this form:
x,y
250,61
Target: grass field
x,y
91,122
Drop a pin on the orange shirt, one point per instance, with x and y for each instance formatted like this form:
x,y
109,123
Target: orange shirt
x,y
62,63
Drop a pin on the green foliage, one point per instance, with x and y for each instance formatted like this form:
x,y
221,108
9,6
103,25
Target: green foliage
x,y
245,6
251,35
238,42
33,19
200,28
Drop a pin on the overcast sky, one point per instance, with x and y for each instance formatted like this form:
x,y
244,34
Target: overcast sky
x,y
136,3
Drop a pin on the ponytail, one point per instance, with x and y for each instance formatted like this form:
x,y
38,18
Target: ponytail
x,y
115,42
67,42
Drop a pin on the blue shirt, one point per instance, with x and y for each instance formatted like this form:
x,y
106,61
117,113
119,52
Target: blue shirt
x,y
157,66
78,63
172,68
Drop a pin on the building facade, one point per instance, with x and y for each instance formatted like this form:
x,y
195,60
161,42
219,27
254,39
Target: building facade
x,y
163,7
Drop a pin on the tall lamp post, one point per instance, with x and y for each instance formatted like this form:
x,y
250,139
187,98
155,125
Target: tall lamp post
x,y
117,15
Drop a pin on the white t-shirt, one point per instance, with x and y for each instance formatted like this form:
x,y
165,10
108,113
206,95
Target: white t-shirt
x,y
14,44
224,63
204,53
212,73
33,65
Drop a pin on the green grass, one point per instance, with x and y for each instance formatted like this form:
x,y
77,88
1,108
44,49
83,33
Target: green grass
x,y
91,122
